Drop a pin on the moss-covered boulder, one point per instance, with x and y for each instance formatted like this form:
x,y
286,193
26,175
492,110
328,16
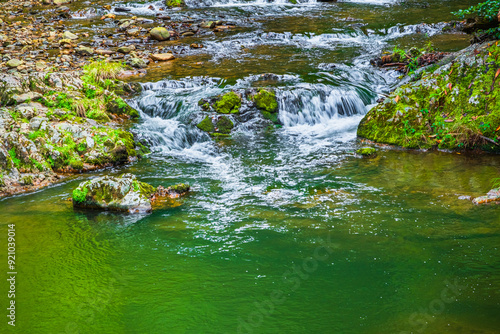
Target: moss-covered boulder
x,y
159,34
265,100
224,125
123,193
206,125
218,126
229,103
455,105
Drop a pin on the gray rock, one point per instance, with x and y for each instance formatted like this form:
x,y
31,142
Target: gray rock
x,y
13,63
85,51
137,63
27,96
36,123
126,49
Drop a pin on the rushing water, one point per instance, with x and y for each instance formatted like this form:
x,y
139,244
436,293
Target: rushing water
x,y
286,229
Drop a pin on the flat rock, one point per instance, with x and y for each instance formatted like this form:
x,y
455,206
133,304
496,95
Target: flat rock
x,y
13,63
26,96
69,35
162,56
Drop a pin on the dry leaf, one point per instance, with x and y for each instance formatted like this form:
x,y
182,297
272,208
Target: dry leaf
x,y
498,72
449,85
397,99
497,129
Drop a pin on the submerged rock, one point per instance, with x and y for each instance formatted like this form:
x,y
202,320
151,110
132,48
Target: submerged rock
x,y
492,196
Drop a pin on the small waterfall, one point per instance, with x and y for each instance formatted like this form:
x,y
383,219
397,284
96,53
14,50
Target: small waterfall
x,y
317,104
168,109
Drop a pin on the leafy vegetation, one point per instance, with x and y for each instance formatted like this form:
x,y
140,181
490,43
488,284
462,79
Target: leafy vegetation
x,y
488,10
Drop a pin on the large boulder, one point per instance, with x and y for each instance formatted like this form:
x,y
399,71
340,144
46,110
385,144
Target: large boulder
x,y
123,193
454,105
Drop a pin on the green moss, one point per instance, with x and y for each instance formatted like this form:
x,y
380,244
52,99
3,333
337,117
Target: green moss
x,y
175,3
455,107
120,107
80,194
76,164
146,189
206,125
180,188
367,151
228,103
224,125
266,100
98,115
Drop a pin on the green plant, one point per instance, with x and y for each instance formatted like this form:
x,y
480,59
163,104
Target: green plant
x,y
495,183
13,156
101,73
487,10
79,195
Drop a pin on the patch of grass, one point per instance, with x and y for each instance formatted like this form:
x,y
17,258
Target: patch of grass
x,y
98,72
15,160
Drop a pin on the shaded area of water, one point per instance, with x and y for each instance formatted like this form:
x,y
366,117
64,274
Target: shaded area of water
x,y
402,253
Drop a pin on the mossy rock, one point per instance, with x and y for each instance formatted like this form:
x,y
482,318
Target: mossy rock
x,y
122,193
229,103
120,107
266,101
224,125
455,106
206,125
367,151
180,188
